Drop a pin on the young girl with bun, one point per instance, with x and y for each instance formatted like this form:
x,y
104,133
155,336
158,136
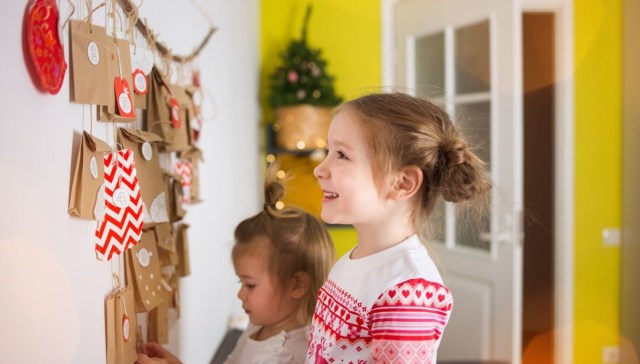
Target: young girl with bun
x,y
391,157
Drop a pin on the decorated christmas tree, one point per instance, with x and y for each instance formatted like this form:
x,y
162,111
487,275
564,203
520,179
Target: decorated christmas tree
x,y
302,78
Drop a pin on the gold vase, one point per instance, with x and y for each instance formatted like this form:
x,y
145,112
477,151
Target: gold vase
x,y
302,127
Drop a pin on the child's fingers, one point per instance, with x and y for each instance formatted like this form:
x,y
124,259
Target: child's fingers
x,y
154,350
143,359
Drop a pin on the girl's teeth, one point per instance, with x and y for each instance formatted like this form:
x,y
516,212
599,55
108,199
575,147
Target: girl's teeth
x,y
330,195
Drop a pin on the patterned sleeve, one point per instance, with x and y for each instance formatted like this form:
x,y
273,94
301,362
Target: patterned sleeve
x,y
407,321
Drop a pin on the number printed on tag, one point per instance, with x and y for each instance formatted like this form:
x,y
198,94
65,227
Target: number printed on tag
x,y
123,98
124,102
93,53
121,197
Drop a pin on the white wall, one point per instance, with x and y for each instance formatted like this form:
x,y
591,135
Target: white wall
x,y
51,285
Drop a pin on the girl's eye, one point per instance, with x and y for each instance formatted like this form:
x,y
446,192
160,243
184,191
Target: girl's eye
x,y
341,155
250,286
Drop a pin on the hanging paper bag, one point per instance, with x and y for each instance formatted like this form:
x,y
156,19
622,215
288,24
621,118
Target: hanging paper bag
x,y
122,224
89,65
182,244
194,112
179,106
152,187
183,169
174,200
158,118
141,64
144,272
159,323
166,244
86,197
174,300
120,327
193,156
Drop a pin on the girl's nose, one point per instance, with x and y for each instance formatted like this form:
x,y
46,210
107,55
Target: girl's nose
x,y
241,294
320,171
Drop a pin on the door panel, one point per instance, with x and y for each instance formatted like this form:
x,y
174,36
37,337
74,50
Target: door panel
x,y
466,55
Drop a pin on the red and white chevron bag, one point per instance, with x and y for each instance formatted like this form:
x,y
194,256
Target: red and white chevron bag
x,y
183,168
121,227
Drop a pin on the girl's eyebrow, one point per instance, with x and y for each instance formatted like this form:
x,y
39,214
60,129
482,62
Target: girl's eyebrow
x,y
338,143
244,276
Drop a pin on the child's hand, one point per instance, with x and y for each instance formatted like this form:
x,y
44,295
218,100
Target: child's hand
x,y
143,359
156,354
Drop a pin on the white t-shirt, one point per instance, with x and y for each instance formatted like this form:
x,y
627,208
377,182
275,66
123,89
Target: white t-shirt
x,y
285,347
391,306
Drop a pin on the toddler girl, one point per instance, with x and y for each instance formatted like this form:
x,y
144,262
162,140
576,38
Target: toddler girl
x,y
390,158
282,257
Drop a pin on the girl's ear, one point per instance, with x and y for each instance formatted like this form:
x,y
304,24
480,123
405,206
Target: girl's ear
x,y
300,283
407,183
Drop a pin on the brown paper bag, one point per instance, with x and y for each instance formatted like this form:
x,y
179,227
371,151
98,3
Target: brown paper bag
x,y
175,199
143,270
152,187
166,244
159,323
176,136
182,134
195,112
194,157
157,117
120,324
88,177
182,245
89,64
174,301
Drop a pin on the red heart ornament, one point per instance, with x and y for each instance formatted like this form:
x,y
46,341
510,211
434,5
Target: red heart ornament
x,y
45,48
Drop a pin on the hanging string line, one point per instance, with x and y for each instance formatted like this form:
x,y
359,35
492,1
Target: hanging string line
x,y
129,7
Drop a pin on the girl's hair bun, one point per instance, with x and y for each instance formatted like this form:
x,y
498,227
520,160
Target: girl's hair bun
x,y
462,173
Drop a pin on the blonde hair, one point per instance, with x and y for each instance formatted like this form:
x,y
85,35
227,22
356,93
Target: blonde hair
x,y
298,242
403,130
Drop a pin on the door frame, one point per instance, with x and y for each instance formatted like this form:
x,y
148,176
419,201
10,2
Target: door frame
x,y
564,156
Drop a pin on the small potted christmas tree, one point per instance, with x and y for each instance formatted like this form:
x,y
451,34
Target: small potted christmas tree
x,y
302,95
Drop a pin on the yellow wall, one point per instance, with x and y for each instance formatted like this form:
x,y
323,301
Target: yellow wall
x,y
348,34
598,28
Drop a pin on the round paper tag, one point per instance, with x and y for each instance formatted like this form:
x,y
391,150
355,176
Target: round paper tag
x,y
147,151
124,102
144,258
175,112
120,197
93,167
140,82
93,53
197,97
125,328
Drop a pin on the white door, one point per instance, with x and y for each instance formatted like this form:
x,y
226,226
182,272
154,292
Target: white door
x,y
467,54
